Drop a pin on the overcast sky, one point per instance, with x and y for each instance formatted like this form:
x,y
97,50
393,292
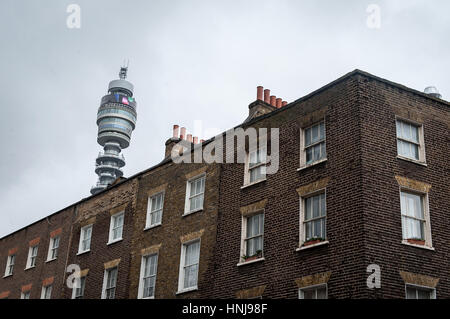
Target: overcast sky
x,y
189,60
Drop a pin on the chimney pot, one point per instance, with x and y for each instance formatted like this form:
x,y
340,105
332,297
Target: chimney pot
x,y
201,141
284,103
272,100
266,96
195,139
259,92
183,133
175,131
279,102
189,138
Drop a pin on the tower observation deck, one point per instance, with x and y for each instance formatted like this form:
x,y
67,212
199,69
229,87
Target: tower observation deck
x,y
116,120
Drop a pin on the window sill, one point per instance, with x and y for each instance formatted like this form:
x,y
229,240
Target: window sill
x,y
152,226
153,297
186,290
254,183
417,246
49,260
312,164
114,241
83,252
326,242
30,268
243,263
6,276
192,212
412,160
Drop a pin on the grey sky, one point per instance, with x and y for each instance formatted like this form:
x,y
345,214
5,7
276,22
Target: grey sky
x,y
189,60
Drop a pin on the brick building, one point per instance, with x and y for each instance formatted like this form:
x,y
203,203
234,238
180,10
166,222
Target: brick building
x,y
362,184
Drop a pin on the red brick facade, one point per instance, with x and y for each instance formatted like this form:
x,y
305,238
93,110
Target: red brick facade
x,y
361,178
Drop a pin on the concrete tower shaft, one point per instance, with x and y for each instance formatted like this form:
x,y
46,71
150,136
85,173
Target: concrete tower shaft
x,y
116,120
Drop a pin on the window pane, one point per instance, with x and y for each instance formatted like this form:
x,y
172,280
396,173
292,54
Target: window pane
x,y
322,293
309,294
308,230
322,131
411,293
316,209
309,155
423,294
307,136
314,133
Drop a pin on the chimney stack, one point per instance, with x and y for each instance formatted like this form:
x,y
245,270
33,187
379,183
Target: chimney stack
x,y
175,131
259,93
272,100
183,133
279,102
266,96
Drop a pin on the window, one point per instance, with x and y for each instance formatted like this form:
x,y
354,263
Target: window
x,y
32,254
154,210
25,295
10,265
116,227
415,292
313,142
53,248
410,143
256,166
313,292
78,291
190,254
252,245
415,218
194,194
46,292
148,276
313,219
85,239
109,283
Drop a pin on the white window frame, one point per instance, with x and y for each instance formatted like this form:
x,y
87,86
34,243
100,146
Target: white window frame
x,y
303,147
141,276
45,290
188,198
244,238
421,144
25,294
301,291
32,257
302,233
148,222
10,262
105,281
417,287
181,288
112,240
262,164
82,239
426,213
82,283
51,248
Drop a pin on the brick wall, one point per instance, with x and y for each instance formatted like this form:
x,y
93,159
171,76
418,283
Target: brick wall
x,y
19,242
172,178
98,210
283,265
380,104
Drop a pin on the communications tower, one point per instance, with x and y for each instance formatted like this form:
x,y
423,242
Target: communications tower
x,y
116,120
